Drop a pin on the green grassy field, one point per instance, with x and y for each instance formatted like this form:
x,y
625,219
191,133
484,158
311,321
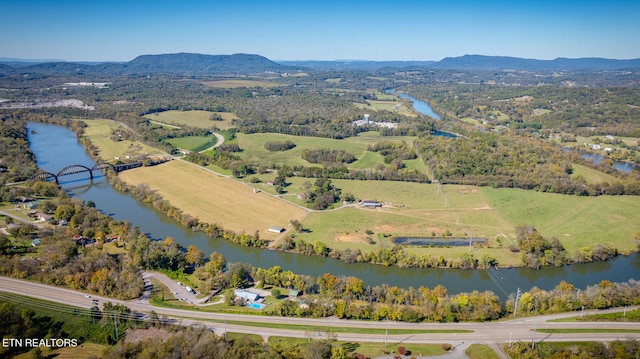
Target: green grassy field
x,y
73,321
85,350
629,316
370,350
587,330
195,118
393,106
591,175
479,351
575,221
386,105
99,132
419,209
193,143
253,148
382,96
412,209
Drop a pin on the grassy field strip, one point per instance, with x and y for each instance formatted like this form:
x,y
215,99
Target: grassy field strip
x,y
193,143
194,118
215,199
164,124
85,350
99,132
370,350
576,221
629,316
253,148
591,175
241,83
334,329
585,330
480,351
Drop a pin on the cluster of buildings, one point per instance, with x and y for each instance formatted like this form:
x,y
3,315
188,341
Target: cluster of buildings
x,y
367,122
595,146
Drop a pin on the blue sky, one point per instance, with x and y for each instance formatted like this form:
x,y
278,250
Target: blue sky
x,y
119,30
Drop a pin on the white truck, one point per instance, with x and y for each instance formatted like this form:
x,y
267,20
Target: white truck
x,y
190,290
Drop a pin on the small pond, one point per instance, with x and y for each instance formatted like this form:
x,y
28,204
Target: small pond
x,y
438,241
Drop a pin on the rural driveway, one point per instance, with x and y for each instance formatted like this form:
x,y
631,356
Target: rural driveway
x,y
219,142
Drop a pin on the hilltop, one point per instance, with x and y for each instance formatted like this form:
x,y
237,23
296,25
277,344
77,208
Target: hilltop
x,y
180,63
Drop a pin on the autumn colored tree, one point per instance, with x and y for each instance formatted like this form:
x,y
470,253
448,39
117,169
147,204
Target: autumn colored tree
x,y
194,256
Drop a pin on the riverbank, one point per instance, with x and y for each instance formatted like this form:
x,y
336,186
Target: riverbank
x,y
215,199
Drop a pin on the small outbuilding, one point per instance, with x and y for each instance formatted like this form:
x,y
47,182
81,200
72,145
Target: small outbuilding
x,y
276,229
43,217
371,204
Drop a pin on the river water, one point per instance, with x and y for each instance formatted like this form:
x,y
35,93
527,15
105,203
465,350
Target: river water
x,y
420,106
56,147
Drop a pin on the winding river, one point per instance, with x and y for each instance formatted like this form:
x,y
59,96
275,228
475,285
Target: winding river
x,y
419,106
56,147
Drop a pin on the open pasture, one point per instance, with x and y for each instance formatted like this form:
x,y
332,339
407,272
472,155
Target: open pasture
x,y
253,148
193,143
575,221
383,96
410,209
386,105
195,118
413,209
99,132
591,175
215,199
232,84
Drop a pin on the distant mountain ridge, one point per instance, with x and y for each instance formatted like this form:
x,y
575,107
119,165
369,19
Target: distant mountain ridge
x,y
481,62
180,63
356,65
247,64
198,63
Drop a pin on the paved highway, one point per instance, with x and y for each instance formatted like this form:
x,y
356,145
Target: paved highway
x,y
490,333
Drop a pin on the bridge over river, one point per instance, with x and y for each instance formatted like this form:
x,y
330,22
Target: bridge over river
x,y
73,169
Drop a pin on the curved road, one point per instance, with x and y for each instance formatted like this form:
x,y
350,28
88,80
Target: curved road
x,y
218,143
490,333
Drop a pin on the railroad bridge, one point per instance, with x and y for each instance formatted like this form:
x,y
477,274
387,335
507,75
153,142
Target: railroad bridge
x,y
73,169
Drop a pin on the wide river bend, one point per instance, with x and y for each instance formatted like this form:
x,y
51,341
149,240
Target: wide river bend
x,y
56,147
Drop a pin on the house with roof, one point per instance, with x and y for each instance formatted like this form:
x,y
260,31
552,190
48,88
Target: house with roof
x,y
246,295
